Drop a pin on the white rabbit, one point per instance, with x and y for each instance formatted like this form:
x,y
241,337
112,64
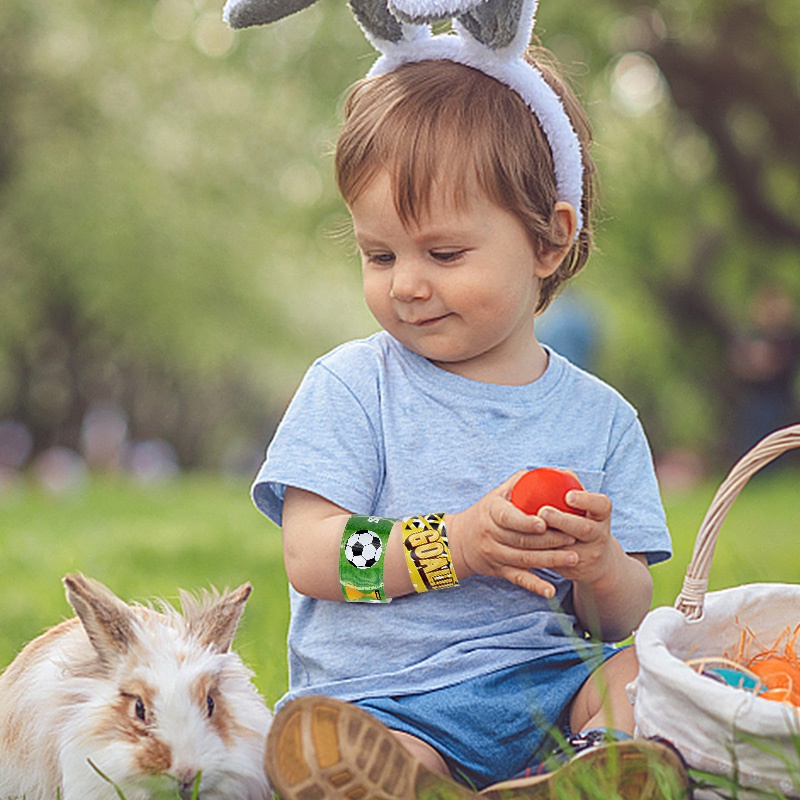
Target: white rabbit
x,y
152,698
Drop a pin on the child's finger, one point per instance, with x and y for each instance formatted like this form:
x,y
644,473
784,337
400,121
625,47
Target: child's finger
x,y
547,539
597,506
546,559
531,582
582,528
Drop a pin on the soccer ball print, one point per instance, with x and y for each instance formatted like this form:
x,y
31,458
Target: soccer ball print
x,y
363,549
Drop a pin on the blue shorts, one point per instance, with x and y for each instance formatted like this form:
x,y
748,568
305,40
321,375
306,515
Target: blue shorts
x,y
495,726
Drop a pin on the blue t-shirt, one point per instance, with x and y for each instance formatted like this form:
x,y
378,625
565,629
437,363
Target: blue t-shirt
x,y
379,430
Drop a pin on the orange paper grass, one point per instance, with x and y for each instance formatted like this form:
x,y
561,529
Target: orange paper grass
x,y
777,667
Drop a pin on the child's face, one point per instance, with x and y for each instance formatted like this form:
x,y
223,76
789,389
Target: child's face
x,y
459,289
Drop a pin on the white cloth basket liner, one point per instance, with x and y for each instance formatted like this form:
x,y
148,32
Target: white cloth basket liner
x,y
718,728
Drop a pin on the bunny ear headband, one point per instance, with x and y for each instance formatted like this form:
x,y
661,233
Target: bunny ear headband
x,y
489,35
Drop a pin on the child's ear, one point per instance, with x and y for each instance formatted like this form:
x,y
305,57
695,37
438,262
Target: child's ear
x,y
549,257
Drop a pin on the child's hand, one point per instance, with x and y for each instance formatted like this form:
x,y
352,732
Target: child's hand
x,y
612,589
493,537
595,547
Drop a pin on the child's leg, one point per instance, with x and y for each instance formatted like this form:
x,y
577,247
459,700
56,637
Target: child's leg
x,y
602,701
423,752
631,769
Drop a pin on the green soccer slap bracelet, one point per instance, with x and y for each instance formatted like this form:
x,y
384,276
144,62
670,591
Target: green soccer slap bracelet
x,y
361,559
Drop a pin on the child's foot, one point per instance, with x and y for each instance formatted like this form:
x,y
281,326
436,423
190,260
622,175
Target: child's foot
x,y
631,769
323,749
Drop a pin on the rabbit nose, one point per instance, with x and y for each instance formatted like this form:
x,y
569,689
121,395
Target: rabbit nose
x,y
186,781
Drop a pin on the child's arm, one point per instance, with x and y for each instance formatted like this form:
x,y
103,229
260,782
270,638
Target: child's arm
x,y
612,589
492,537
312,537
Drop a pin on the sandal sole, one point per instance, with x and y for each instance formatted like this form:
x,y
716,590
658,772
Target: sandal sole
x,y
628,770
319,748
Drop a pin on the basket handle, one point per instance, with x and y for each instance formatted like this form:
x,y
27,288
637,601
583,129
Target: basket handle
x,y
695,582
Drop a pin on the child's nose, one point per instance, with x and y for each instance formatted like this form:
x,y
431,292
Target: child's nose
x,y
409,281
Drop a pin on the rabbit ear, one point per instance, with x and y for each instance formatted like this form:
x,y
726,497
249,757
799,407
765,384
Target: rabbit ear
x,y
109,623
215,623
425,11
244,13
494,23
377,21
497,24
418,12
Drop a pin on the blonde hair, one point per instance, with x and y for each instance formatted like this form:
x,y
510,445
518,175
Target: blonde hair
x,y
443,124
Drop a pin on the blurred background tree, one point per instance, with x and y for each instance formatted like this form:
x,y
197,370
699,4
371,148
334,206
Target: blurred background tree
x,y
170,249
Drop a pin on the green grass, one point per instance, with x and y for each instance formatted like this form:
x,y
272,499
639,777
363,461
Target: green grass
x,y
160,792
759,541
144,543
203,530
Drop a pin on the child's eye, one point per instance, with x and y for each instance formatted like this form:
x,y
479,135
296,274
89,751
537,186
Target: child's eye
x,y
447,256
381,259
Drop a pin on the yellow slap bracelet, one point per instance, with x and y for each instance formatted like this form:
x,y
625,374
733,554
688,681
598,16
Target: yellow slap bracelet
x,y
428,558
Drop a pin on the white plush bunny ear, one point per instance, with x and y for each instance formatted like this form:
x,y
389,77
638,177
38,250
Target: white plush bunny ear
x,y
492,36
496,24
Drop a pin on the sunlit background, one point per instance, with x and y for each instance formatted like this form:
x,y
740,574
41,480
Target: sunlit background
x,y
173,253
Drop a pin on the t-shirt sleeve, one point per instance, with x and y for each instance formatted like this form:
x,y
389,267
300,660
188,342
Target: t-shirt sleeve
x,y
638,519
326,443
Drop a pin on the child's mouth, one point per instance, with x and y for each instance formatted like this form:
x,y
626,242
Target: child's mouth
x,y
425,322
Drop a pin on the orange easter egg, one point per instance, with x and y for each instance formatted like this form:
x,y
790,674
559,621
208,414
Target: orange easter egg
x,y
781,678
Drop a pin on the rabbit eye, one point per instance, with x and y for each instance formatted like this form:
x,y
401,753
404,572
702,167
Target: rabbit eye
x,y
140,710
210,705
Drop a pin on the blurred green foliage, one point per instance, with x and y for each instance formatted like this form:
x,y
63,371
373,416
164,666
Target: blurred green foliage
x,y
165,237
168,219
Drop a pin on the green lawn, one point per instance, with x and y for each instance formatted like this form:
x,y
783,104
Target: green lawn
x,y
143,543
198,531
759,541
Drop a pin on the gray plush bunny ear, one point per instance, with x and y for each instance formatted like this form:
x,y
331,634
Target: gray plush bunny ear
x,y
245,13
374,16
377,21
497,23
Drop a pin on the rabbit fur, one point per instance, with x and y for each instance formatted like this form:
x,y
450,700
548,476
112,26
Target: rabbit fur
x,y
151,697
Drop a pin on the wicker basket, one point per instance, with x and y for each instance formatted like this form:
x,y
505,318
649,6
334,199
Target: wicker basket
x,y
718,728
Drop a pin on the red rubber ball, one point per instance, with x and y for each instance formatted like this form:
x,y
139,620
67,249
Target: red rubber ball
x,y
545,486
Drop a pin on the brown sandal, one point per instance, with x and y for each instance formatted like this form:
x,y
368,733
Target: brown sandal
x,y
323,749
634,769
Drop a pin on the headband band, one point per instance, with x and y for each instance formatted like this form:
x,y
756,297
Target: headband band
x,y
488,35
